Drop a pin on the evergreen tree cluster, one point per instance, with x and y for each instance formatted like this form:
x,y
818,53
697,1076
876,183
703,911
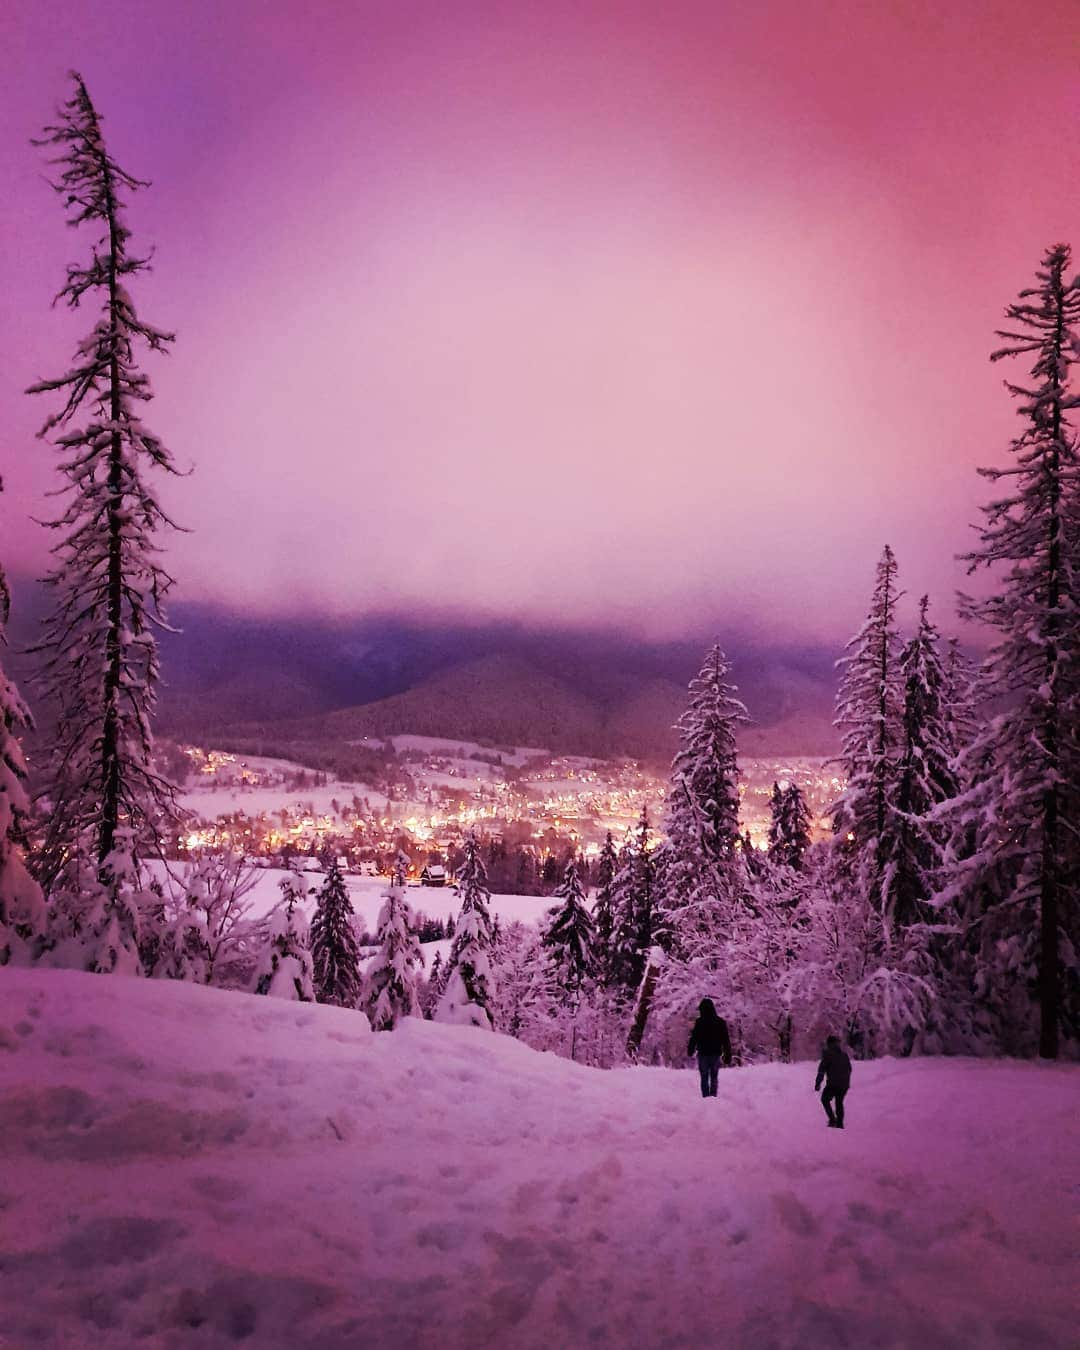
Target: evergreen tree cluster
x,y
944,911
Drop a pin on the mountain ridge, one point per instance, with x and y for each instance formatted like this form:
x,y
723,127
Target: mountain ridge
x,y
503,699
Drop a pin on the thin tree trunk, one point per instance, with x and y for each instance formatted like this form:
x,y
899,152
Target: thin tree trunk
x,y
883,712
110,736
641,1008
1048,906
785,1038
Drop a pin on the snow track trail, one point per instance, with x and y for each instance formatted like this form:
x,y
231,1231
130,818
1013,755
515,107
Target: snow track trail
x,y
183,1167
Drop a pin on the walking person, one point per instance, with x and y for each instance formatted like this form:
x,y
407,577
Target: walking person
x,y
711,1041
835,1069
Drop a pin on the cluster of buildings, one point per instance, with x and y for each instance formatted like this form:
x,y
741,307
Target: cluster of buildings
x,y
275,810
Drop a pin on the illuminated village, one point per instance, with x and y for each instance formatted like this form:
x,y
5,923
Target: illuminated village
x,y
529,799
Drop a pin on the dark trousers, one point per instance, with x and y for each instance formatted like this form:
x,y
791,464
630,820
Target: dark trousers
x,y
834,1096
709,1068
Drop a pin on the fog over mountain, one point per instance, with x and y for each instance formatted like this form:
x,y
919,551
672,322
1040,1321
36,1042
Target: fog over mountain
x,y
585,691
574,689
581,690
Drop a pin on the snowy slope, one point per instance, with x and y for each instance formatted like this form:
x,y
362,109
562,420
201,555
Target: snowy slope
x,y
185,1167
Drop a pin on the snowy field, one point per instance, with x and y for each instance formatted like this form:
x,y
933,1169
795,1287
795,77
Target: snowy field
x,y
186,1167
209,800
366,894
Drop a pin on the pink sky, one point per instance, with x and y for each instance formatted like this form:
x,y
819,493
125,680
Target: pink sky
x,y
642,314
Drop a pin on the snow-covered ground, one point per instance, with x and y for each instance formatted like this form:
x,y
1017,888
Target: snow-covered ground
x,y
366,894
185,1167
208,800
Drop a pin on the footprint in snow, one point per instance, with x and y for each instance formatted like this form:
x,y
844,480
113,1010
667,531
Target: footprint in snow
x,y
794,1215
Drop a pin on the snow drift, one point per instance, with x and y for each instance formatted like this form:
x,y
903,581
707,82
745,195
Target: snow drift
x,y
185,1167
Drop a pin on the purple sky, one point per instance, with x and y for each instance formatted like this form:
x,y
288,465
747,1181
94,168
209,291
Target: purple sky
x,y
651,315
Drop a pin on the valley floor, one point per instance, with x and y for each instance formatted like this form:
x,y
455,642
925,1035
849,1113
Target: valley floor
x,y
184,1167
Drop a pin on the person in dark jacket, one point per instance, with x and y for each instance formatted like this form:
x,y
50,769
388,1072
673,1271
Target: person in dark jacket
x,y
835,1069
711,1041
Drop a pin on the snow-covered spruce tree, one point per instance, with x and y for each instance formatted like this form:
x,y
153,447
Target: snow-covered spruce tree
x,y
391,985
99,655
869,715
284,968
469,990
958,699
622,928
700,867
871,858
335,957
925,778
570,935
635,904
600,1034
776,817
789,826
21,911
431,990
603,911
1019,885
704,811
989,991
753,860
701,859
796,826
